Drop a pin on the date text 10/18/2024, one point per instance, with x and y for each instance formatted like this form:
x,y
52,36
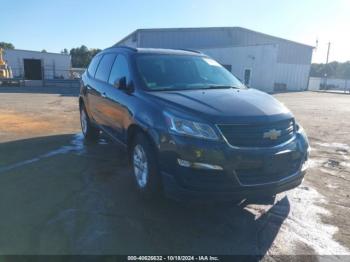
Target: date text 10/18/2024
x,y
173,258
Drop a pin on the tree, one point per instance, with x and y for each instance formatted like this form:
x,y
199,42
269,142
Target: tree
x,y
65,51
6,45
344,70
81,56
94,52
43,51
333,70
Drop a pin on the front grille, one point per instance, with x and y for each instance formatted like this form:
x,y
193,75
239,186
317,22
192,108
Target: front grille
x,y
252,135
260,176
205,180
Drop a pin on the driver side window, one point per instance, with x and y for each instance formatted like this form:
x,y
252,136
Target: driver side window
x,y
120,69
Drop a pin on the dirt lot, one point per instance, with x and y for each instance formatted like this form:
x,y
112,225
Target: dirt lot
x,y
61,196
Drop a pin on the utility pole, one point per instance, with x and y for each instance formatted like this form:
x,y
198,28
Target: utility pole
x,y
326,75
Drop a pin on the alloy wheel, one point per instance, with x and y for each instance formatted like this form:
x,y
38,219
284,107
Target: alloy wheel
x,y
140,165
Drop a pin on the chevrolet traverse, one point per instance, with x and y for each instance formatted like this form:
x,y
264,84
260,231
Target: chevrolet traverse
x,y
191,129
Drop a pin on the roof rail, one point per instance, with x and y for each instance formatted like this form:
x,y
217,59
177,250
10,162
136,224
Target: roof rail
x,y
124,46
190,50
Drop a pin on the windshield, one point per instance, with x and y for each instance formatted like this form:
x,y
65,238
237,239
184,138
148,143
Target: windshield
x,y
175,72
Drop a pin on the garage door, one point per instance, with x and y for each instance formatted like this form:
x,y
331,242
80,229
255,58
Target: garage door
x,y
32,69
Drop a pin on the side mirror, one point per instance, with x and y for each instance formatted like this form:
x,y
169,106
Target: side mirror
x,y
120,83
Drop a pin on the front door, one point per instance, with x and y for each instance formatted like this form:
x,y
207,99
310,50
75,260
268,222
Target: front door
x,y
117,100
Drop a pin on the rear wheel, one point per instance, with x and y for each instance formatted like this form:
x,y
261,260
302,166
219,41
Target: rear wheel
x,y
90,132
144,166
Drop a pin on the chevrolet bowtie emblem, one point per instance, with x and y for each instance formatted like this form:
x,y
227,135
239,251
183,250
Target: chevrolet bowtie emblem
x,y
272,134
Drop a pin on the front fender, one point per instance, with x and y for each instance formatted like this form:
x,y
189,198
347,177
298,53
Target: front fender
x,y
147,125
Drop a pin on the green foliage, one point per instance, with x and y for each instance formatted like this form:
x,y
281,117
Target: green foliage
x,y
6,45
333,70
65,51
81,56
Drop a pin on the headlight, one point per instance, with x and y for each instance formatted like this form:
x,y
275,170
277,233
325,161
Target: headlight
x,y
305,165
189,128
301,131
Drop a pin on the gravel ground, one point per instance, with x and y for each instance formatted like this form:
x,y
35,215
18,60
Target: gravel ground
x,y
59,195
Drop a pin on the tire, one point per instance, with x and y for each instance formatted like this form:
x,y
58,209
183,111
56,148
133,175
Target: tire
x,y
89,131
145,166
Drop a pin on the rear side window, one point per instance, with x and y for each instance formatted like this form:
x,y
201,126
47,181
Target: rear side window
x,y
120,69
104,67
93,65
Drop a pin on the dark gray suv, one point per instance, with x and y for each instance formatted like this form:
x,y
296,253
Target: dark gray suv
x,y
192,130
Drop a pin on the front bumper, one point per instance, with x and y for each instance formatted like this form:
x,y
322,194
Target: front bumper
x,y
175,191
245,172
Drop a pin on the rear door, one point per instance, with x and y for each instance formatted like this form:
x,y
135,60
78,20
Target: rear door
x,y
102,108
91,88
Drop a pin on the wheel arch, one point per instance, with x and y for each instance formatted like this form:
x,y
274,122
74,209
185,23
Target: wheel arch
x,y
135,129
81,102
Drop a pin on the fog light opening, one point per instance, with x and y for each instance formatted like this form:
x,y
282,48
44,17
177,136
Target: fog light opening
x,y
305,165
184,163
197,165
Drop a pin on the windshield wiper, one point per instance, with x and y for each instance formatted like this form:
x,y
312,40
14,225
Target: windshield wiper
x,y
222,87
181,87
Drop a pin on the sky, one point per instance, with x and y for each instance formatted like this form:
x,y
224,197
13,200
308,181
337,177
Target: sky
x,y
54,25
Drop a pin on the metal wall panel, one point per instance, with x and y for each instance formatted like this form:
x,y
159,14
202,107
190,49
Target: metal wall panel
x,y
314,83
261,60
185,38
264,65
196,38
293,75
332,83
289,52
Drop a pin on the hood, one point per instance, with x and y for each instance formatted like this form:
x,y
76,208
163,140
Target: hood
x,y
224,105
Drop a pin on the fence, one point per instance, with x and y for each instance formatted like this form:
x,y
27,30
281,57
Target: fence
x,y
47,73
317,83
46,76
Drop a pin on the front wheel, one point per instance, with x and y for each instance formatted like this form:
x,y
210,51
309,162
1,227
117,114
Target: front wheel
x,y
144,166
90,132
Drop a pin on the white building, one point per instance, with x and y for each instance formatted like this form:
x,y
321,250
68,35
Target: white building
x,y
262,61
34,65
318,83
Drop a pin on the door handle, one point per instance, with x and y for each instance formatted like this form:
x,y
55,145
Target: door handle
x,y
104,95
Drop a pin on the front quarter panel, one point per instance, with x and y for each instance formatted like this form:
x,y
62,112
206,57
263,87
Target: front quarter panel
x,y
149,117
